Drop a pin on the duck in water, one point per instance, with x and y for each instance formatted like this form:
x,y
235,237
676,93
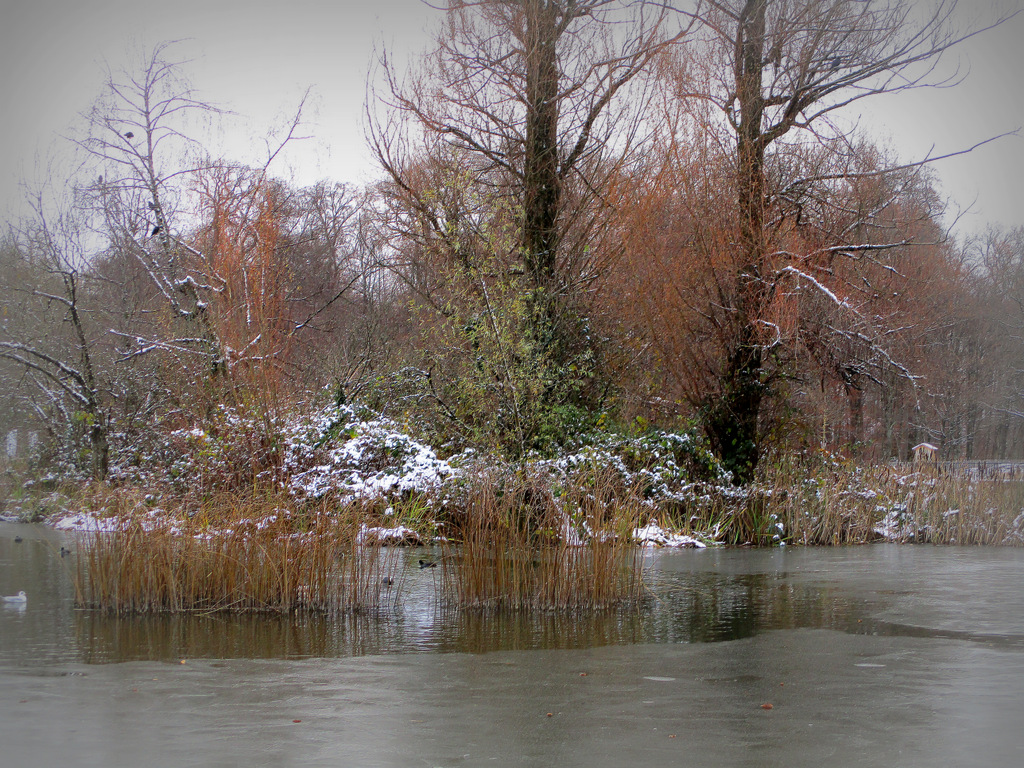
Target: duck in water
x,y
18,598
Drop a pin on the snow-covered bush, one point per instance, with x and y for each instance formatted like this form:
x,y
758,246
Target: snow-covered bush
x,y
356,455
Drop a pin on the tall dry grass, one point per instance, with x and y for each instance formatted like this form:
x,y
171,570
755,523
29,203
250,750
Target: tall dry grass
x,y
513,547
267,566
847,504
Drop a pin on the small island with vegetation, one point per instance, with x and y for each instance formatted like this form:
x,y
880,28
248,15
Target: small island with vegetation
x,y
624,281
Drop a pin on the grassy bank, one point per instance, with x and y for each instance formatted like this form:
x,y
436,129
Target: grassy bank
x,y
182,533
510,541
509,546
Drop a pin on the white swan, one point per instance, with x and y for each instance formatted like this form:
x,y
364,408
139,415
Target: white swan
x,y
18,598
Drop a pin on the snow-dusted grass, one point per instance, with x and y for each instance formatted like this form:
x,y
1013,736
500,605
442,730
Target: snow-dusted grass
x,y
654,534
349,462
843,503
338,453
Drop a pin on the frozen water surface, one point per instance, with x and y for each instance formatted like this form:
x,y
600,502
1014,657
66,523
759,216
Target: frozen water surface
x,y
870,656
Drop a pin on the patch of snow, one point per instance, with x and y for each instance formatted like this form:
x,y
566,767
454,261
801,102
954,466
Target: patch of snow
x,y
654,535
379,535
86,522
895,526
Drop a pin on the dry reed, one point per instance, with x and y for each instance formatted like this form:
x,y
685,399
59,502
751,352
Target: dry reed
x,y
250,567
514,547
846,504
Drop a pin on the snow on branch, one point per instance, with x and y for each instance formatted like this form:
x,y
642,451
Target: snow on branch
x,y
189,283
36,360
145,346
778,333
841,303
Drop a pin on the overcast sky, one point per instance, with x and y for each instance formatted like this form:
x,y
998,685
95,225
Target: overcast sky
x,y
258,58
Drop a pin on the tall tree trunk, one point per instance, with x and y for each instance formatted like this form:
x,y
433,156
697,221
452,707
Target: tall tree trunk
x,y
542,189
855,398
541,185
732,417
99,446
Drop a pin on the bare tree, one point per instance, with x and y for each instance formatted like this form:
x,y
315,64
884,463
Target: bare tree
x,y
775,71
49,333
212,238
137,137
994,332
502,155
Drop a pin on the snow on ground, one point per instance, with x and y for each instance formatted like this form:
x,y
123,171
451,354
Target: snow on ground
x,y
379,535
894,526
86,522
654,535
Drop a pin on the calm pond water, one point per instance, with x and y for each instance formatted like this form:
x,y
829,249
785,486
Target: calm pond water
x,y
879,655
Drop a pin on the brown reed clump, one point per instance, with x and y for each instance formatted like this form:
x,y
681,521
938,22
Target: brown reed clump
x,y
514,548
849,504
956,505
249,567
